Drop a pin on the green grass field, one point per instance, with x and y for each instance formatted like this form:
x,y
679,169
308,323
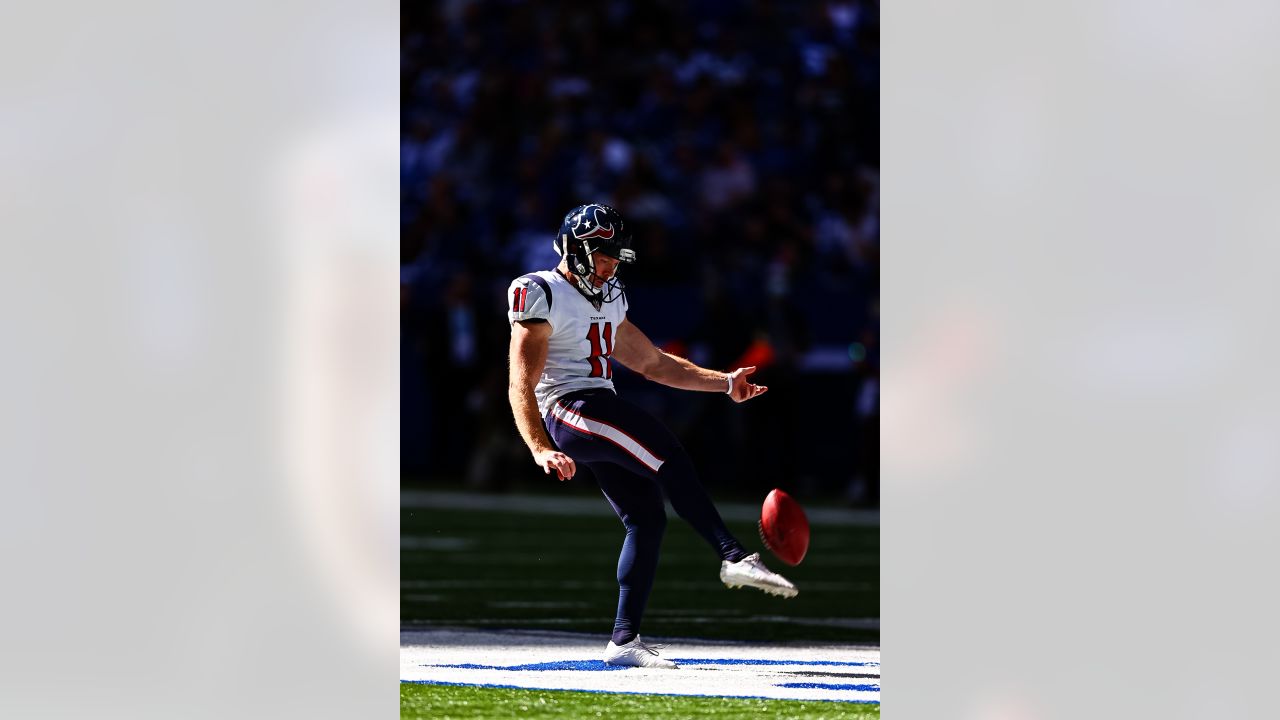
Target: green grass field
x,y
443,703
557,572
545,572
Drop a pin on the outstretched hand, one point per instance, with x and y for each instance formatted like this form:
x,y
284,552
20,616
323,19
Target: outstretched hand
x,y
742,389
553,460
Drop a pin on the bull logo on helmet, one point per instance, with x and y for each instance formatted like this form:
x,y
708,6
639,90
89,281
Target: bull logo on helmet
x,y
587,225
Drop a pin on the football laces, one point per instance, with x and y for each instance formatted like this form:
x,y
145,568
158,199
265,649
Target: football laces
x,y
763,539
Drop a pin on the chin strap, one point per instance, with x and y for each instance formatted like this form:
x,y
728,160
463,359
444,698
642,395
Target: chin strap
x,y
585,288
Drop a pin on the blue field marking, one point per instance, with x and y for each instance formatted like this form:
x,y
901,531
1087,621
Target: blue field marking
x,y
829,686
589,665
740,661
629,692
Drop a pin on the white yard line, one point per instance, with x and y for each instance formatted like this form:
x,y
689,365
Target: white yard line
x,y
570,661
596,506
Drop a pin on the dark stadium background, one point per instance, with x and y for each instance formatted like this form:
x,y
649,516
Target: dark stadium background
x,y
739,139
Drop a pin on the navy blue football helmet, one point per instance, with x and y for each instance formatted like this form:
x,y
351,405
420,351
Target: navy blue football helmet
x,y
594,228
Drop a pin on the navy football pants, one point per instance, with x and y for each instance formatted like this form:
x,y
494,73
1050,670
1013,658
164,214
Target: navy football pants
x,y
635,460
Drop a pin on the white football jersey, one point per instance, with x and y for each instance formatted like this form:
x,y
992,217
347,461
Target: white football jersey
x,y
581,336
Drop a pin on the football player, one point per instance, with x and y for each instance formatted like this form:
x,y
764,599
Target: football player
x,y
567,325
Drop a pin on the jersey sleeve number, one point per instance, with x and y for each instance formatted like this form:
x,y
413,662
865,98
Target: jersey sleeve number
x,y
599,358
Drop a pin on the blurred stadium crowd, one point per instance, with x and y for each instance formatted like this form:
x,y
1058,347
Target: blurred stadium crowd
x,y
740,141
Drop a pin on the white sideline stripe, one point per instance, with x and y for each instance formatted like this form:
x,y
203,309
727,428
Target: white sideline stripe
x,y
595,427
578,505
426,656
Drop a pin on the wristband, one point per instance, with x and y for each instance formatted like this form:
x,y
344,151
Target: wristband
x,y
729,390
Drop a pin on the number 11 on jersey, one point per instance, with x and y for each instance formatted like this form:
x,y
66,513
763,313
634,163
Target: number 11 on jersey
x,y
599,358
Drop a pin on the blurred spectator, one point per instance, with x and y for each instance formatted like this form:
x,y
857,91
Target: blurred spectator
x,y
741,141
728,180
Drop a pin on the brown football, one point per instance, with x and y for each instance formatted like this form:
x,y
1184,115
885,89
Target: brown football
x,y
784,528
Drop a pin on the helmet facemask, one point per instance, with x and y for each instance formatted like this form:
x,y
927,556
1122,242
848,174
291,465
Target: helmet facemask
x,y
584,270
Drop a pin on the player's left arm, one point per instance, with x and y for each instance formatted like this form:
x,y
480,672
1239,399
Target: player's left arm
x,y
635,350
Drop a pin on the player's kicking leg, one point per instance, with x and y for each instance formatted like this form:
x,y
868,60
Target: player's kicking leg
x,y
690,500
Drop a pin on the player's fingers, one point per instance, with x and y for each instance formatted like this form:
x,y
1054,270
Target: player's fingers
x,y
565,467
748,370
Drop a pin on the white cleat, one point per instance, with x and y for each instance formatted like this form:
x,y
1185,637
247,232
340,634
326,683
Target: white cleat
x,y
636,654
751,572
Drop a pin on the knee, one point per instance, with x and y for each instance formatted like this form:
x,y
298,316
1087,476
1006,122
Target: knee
x,y
647,524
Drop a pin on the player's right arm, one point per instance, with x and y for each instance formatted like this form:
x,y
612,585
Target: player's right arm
x,y
528,355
